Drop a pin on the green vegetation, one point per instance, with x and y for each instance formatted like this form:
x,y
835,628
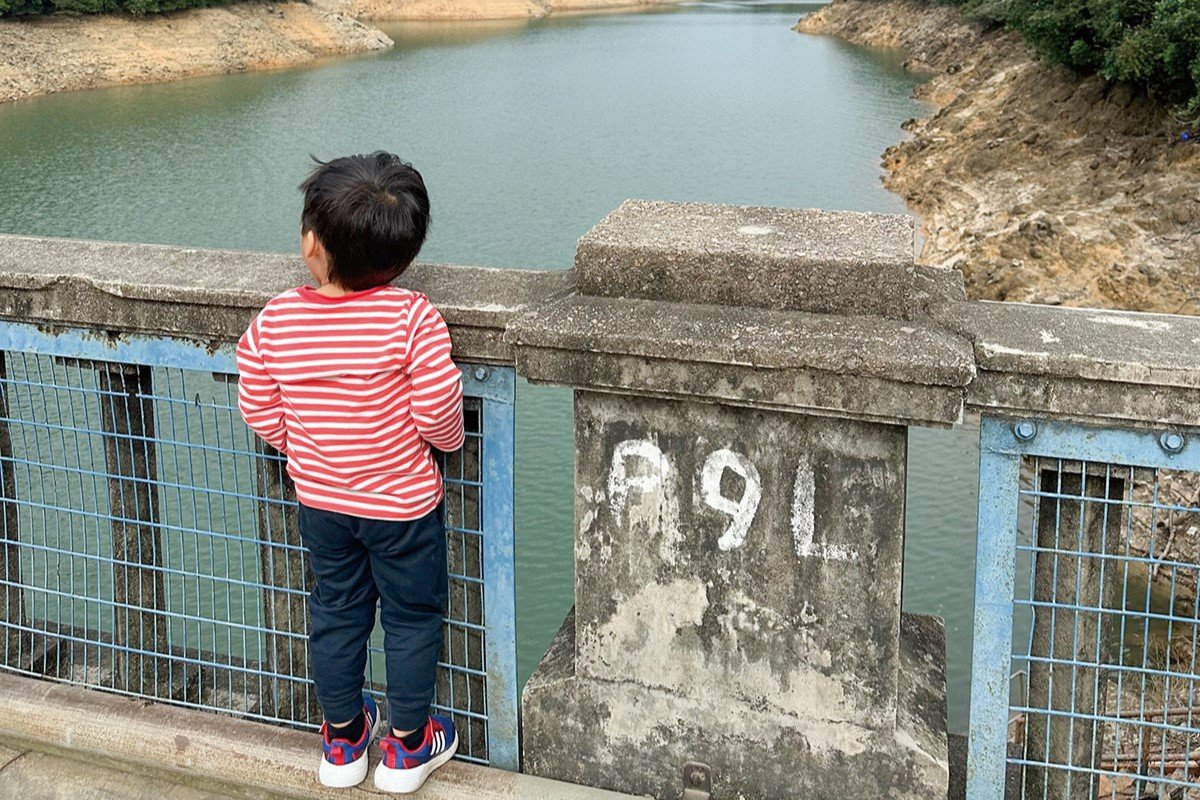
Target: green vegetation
x,y
9,8
1153,43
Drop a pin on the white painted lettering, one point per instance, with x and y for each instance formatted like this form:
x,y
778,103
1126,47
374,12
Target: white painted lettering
x,y
621,482
804,521
741,511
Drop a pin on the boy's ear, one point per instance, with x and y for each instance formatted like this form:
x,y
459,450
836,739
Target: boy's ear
x,y
310,245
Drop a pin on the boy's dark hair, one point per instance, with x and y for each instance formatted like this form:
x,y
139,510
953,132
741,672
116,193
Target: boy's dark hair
x,y
370,213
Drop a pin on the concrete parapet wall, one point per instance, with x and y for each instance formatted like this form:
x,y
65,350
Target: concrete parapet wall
x,y
845,366
744,380
947,353
211,295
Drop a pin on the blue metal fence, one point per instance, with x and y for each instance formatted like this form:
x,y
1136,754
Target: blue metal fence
x,y
1086,586
149,544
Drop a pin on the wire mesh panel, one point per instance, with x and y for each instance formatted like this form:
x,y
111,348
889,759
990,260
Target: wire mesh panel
x,y
150,545
1087,588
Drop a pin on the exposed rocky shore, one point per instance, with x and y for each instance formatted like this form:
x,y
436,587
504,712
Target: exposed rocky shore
x,y
1039,185
43,55
59,53
381,10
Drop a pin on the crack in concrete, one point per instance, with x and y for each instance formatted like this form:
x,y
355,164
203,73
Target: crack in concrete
x,y
14,760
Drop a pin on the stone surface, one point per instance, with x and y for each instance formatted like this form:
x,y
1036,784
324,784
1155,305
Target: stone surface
x,y
743,381
634,738
819,261
41,776
1085,365
910,352
216,753
956,745
721,553
9,754
213,294
795,391
1092,344
1094,402
860,367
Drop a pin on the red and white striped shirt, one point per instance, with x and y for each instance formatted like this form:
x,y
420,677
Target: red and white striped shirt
x,y
355,390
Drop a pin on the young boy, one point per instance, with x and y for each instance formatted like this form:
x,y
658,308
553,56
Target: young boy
x,y
353,382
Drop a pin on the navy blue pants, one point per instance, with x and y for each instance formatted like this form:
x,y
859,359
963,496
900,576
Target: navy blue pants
x,y
359,562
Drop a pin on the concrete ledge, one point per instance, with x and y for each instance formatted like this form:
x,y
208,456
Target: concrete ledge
x,y
213,294
245,759
858,367
1085,365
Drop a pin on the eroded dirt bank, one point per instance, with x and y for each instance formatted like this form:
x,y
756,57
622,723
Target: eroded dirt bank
x,y
381,10
1039,185
59,53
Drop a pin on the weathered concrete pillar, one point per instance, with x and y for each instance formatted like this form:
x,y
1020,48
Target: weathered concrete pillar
x,y
130,455
1069,644
286,693
744,378
17,640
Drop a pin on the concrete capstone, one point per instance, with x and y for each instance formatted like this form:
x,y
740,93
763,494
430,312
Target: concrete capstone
x,y
802,260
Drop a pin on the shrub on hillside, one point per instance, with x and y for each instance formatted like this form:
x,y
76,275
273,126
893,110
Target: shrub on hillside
x,y
1153,43
14,7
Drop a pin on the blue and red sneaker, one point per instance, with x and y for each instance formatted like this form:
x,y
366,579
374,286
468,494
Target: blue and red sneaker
x,y
344,763
403,770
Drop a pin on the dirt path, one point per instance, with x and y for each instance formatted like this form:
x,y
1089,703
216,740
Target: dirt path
x,y
1039,185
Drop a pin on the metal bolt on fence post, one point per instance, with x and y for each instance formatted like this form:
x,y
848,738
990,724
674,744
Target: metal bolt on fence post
x,y
697,781
1172,442
1024,430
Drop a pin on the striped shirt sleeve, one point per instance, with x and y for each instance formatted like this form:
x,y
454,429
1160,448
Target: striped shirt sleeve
x,y
437,406
259,399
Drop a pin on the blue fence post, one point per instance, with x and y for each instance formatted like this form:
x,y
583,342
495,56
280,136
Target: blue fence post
x,y
498,569
140,662
995,559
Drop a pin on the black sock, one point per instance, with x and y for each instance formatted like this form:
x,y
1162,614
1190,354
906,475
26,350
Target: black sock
x,y
414,739
351,732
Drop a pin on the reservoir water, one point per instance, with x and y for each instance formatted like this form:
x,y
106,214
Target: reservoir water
x,y
527,133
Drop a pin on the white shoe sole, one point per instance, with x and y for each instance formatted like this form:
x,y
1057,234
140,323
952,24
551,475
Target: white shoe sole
x,y
344,776
406,781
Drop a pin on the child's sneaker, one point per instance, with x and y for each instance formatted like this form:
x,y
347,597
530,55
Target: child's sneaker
x,y
344,763
403,770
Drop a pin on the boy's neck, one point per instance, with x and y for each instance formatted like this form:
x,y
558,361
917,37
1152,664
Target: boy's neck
x,y
332,290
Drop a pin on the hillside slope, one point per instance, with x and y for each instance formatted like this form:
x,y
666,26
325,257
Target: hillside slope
x,y
1039,185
